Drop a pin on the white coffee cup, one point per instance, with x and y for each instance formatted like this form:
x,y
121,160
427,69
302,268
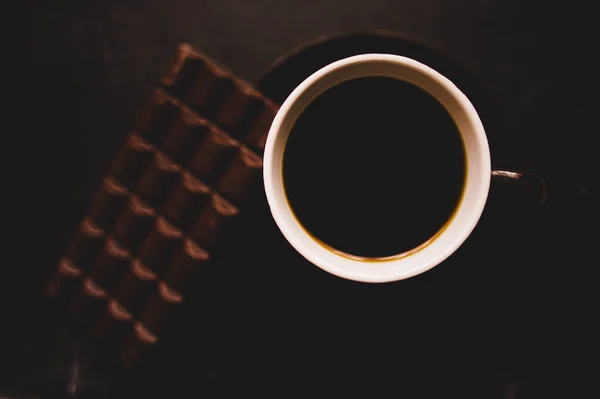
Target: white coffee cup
x,y
456,230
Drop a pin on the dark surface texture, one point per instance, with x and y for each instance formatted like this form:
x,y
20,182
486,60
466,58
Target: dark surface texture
x,y
509,316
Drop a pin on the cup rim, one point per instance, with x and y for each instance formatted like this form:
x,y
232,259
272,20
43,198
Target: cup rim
x,y
395,267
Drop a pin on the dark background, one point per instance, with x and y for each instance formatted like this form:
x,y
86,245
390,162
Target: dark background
x,y
81,71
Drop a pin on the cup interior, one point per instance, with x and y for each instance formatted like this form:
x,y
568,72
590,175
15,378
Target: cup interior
x,y
476,185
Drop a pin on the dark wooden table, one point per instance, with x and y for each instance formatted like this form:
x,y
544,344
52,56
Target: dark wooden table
x,y
520,326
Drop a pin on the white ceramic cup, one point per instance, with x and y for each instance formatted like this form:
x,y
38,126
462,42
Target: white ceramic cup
x,y
456,230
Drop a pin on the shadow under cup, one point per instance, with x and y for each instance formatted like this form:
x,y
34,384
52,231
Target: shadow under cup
x,y
475,186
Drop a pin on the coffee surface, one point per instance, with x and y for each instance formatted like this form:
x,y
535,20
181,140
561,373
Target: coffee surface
x,y
374,167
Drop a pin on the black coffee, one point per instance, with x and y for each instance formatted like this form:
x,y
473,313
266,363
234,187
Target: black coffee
x,y
374,167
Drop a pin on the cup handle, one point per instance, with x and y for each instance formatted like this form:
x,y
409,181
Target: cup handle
x,y
510,186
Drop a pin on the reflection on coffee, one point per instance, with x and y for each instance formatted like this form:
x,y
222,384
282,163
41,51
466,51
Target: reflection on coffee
x,y
374,167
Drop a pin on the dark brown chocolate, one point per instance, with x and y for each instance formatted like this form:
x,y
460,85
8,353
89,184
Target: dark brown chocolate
x,y
256,134
157,180
240,104
212,154
182,169
156,116
85,244
131,160
186,198
89,302
159,245
112,261
208,89
212,221
160,308
133,224
137,346
135,286
112,325
108,203
184,267
181,136
183,70
65,282
242,174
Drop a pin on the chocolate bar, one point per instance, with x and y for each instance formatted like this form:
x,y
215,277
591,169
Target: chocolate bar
x,y
65,282
113,323
137,346
89,301
133,223
154,185
212,154
85,243
183,70
166,203
256,134
131,160
212,221
109,264
185,131
135,286
156,116
79,254
208,89
242,174
240,105
185,200
184,267
108,203
160,308
159,245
